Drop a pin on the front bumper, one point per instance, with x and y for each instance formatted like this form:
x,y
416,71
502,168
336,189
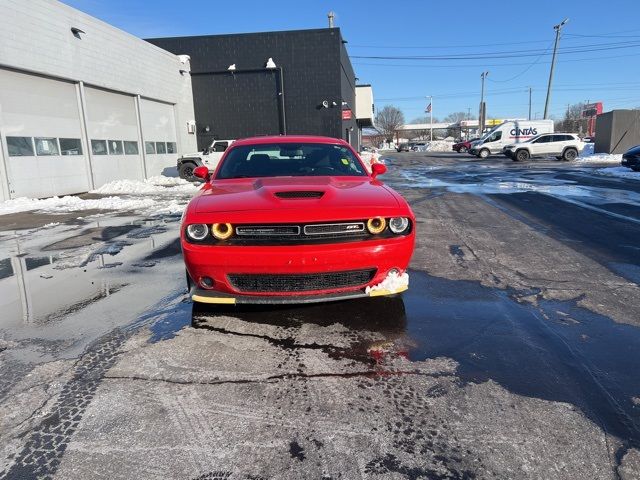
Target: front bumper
x,y
213,297
217,262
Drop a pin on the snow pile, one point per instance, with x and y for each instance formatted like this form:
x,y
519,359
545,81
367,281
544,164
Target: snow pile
x,y
600,158
589,149
157,184
73,204
440,146
393,283
622,172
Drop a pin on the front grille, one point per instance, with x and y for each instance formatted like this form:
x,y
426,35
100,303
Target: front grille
x,y
300,282
257,231
300,194
249,234
334,228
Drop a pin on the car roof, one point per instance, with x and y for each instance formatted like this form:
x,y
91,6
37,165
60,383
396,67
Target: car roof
x,y
275,139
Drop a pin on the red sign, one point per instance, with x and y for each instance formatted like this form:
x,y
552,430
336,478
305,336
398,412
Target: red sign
x,y
346,114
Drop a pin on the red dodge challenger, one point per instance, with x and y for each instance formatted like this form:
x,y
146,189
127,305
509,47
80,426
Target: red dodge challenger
x,y
295,219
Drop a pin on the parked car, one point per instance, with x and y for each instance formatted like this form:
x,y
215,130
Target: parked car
x,y
294,219
209,157
464,145
419,147
404,147
631,159
563,146
507,133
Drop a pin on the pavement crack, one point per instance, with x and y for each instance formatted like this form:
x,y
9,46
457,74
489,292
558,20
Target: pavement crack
x,y
283,376
287,343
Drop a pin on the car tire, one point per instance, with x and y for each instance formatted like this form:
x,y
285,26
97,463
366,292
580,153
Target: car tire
x,y
570,154
462,150
521,155
484,153
635,169
186,171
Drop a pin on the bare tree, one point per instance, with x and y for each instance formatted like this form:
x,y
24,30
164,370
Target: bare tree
x,y
573,121
455,117
388,120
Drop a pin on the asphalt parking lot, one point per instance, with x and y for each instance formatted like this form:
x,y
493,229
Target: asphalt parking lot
x,y
514,353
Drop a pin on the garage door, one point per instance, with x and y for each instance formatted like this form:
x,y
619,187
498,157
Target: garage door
x,y
159,131
41,136
112,127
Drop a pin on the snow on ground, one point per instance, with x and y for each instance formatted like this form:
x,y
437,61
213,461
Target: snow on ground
x,y
154,196
439,146
151,185
622,172
600,158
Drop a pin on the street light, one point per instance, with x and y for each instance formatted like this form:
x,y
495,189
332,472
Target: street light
x,y
557,28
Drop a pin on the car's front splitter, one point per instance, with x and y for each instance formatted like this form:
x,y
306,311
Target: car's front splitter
x,y
211,296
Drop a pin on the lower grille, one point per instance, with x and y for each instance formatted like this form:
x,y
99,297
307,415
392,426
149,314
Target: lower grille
x,y
300,282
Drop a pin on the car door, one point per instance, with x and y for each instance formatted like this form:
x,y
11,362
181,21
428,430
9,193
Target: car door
x,y
540,146
494,142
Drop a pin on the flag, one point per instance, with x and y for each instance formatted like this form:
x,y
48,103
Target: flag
x,y
428,109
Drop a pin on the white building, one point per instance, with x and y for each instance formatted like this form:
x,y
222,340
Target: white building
x,y
83,103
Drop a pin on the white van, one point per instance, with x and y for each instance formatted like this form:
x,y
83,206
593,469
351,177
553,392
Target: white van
x,y
508,133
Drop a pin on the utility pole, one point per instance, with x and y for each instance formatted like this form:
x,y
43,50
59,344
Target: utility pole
x,y
557,28
482,106
431,117
529,103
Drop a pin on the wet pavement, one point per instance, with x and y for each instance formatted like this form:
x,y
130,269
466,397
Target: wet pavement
x,y
514,353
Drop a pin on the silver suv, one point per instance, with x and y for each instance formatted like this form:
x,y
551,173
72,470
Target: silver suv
x,y
563,146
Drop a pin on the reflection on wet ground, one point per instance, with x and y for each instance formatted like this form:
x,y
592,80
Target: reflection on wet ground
x,y
554,351
57,270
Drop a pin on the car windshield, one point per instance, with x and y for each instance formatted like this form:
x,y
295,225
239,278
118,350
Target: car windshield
x,y
289,160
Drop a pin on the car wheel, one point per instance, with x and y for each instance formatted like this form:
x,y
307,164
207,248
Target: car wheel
x,y
570,154
462,150
635,169
522,156
186,171
484,153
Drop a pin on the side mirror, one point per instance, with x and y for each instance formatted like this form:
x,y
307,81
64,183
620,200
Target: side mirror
x,y
201,172
378,169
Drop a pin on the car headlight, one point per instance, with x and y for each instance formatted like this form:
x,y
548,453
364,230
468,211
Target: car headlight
x,y
376,225
197,231
222,231
399,224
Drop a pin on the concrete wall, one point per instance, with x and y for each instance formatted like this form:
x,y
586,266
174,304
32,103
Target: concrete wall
x,y
112,76
617,131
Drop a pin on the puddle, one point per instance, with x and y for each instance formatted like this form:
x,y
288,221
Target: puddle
x,y
557,351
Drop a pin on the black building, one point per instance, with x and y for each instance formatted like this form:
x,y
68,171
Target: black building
x,y
311,89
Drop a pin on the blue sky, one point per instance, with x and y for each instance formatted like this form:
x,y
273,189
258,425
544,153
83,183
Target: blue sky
x,y
520,32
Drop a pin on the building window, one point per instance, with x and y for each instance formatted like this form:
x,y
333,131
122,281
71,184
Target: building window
x,y
130,148
161,148
70,146
20,146
46,146
149,147
171,147
99,147
115,147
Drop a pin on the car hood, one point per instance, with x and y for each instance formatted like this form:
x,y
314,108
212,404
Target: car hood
x,y
633,150
290,193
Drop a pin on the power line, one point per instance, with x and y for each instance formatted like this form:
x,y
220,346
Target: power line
x,y
507,54
481,65
526,69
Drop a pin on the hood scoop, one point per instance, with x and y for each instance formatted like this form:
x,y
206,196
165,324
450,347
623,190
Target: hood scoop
x,y
298,194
